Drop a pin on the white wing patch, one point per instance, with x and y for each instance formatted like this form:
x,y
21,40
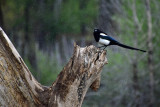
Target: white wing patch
x,y
102,34
104,42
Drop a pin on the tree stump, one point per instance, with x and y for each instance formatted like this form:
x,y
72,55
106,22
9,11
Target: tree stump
x,y
18,87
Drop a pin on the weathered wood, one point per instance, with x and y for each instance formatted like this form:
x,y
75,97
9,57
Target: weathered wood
x,y
19,88
17,85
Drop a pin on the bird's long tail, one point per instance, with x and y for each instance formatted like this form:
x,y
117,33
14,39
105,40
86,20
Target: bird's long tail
x,y
129,47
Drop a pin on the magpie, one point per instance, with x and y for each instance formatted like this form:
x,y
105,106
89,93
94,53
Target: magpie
x,y
106,40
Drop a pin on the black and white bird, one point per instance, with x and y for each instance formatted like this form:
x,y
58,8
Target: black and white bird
x,y
106,40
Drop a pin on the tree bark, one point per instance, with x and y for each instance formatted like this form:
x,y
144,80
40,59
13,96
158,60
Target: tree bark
x,y
150,52
19,88
136,89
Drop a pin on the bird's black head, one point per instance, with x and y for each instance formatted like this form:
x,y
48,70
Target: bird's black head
x,y
97,31
96,34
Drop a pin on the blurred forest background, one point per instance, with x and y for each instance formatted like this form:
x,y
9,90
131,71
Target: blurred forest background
x,y
43,32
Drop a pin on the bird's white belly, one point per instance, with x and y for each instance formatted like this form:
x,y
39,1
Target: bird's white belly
x,y
104,42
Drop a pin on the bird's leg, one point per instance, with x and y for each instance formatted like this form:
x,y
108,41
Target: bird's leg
x,y
104,48
100,48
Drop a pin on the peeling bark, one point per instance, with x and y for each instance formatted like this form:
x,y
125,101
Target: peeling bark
x,y
19,88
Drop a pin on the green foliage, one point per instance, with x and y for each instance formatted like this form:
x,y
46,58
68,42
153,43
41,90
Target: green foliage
x,y
44,21
30,66
72,16
48,69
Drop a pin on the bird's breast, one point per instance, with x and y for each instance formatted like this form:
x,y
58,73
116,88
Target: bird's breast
x,y
104,41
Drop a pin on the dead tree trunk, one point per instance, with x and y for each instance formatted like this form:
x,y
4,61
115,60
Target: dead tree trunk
x,y
19,88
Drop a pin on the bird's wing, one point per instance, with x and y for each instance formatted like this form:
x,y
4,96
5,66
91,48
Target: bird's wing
x,y
103,34
110,39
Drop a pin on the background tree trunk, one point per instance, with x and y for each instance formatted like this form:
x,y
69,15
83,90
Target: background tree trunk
x,y
107,8
28,45
150,52
19,88
136,89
